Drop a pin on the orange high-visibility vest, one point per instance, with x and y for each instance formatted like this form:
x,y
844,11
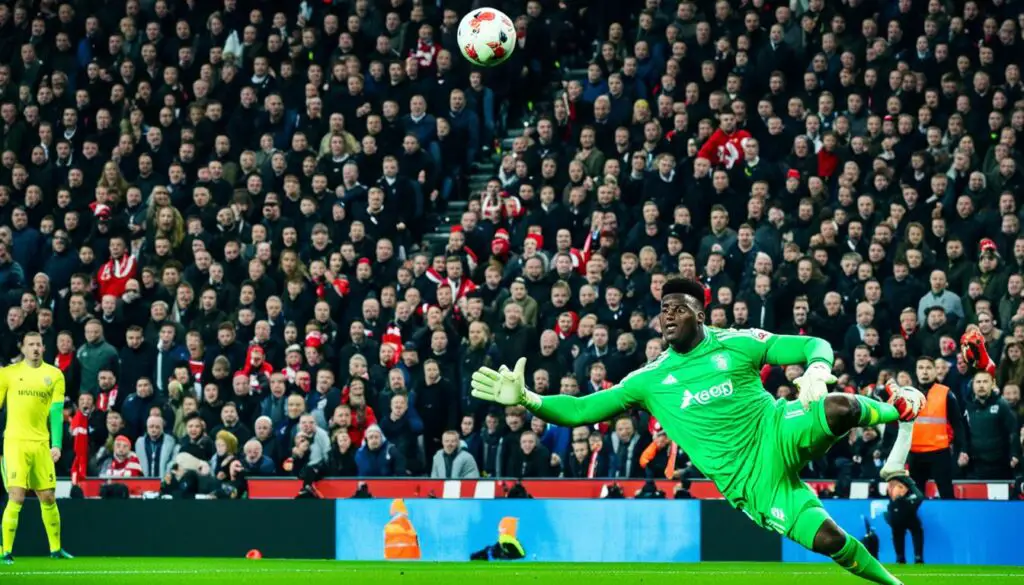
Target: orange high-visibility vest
x,y
400,539
931,428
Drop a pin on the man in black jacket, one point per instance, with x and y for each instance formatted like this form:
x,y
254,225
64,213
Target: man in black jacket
x,y
995,438
137,357
436,403
904,500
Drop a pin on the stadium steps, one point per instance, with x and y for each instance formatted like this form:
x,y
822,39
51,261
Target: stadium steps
x,y
484,171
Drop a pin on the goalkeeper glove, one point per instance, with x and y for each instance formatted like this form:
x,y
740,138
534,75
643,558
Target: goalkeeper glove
x,y
972,346
813,384
506,387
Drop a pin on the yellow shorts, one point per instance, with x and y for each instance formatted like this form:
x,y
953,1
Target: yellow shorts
x,y
28,465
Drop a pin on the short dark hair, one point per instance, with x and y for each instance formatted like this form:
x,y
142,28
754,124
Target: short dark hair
x,y
685,286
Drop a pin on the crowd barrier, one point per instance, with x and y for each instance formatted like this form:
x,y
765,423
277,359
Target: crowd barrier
x,y
557,530
488,489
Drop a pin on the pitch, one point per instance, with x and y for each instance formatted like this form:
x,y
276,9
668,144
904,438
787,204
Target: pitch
x,y
174,571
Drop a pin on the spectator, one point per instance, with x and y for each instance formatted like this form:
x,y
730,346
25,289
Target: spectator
x,y
437,405
453,461
155,449
255,462
532,460
225,450
121,462
195,440
264,433
994,451
510,445
318,439
625,448
341,461
95,355
404,429
379,458
230,423
136,408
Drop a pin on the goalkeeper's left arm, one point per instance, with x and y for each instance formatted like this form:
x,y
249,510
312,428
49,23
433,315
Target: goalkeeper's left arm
x,y
784,350
57,413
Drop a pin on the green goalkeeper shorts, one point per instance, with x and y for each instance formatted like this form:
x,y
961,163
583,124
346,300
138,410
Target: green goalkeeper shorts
x,y
776,497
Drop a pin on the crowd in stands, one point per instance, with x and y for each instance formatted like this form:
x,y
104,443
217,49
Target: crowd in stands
x,y
217,215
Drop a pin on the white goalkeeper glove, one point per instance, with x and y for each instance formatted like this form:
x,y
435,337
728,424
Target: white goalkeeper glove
x,y
813,384
506,387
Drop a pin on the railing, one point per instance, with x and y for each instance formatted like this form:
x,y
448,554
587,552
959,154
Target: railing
x,y
278,488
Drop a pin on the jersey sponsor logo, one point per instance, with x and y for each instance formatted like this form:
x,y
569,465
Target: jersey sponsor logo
x,y
721,362
669,379
40,394
704,397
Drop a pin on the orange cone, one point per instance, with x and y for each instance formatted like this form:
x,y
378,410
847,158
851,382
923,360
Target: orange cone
x,y
254,554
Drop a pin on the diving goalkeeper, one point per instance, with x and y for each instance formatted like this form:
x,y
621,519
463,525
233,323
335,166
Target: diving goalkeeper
x,y
706,392
32,392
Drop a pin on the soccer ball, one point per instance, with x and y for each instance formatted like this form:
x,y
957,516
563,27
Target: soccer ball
x,y
487,37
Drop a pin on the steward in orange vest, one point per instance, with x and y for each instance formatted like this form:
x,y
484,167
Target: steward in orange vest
x,y
400,539
939,426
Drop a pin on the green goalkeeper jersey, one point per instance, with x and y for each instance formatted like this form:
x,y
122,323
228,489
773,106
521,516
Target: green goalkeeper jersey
x,y
710,401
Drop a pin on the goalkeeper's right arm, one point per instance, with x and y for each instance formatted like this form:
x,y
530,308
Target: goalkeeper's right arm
x,y
508,387
573,411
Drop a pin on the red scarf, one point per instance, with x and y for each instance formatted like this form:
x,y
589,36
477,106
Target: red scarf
x,y
107,399
63,361
592,466
196,367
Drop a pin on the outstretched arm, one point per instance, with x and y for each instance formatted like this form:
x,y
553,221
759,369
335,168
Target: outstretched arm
x,y
572,411
784,350
508,388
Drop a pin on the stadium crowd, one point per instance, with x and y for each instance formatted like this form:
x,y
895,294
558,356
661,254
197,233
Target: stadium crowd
x,y
215,213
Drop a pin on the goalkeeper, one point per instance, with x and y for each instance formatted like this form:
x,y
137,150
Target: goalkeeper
x,y
706,392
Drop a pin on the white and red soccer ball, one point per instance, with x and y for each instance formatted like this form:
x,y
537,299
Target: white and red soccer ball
x,y
487,37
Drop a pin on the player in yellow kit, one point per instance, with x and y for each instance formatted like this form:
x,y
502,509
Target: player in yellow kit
x,y
32,393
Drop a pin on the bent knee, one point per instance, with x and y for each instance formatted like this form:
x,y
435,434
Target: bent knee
x,y
842,410
830,539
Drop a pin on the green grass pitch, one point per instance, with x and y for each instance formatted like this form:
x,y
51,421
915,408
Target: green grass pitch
x,y
174,571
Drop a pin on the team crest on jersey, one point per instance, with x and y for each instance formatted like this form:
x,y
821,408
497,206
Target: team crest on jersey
x,y
760,334
721,362
47,381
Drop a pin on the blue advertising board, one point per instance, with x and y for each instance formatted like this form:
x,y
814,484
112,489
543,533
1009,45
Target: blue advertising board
x,y
961,533
550,530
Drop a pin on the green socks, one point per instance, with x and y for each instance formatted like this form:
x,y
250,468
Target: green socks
x,y
857,560
873,412
51,522
10,525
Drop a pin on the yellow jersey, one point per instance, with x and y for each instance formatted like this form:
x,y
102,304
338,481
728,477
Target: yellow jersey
x,y
29,394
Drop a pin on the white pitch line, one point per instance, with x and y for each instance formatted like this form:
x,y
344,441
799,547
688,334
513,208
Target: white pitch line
x,y
694,573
